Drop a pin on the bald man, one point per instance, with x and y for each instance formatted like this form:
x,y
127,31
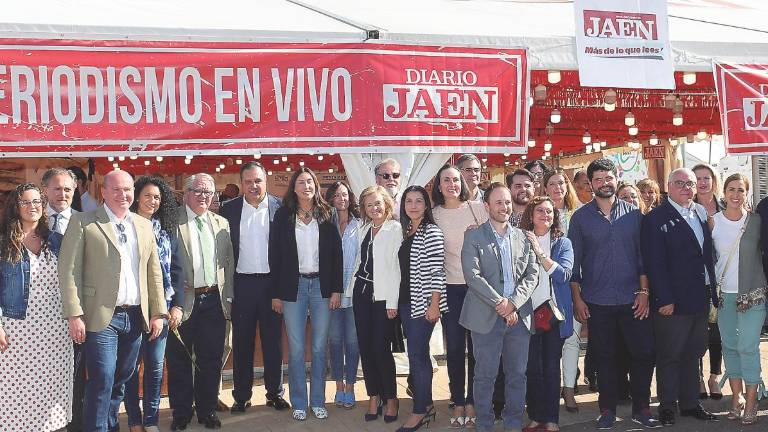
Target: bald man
x,y
112,290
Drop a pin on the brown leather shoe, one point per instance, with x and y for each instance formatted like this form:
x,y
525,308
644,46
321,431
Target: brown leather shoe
x,y
221,406
137,428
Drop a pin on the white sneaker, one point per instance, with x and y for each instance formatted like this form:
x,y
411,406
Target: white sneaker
x,y
320,413
299,415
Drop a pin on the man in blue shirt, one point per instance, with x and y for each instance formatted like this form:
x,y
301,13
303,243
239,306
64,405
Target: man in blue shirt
x,y
677,252
610,292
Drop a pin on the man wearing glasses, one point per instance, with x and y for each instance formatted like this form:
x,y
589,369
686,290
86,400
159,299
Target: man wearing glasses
x,y
538,169
388,176
206,256
677,253
112,290
471,168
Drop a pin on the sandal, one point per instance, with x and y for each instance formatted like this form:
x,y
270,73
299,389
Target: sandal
x,y
470,422
735,413
339,399
750,416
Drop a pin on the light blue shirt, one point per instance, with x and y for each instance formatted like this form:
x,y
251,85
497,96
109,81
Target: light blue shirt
x,y
350,243
694,216
505,249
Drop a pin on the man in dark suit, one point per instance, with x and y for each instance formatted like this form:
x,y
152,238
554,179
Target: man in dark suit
x,y
250,218
677,254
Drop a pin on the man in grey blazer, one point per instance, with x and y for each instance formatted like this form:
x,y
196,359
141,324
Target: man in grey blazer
x,y
501,271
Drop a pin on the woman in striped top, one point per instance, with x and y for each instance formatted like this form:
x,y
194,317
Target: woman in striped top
x,y
422,296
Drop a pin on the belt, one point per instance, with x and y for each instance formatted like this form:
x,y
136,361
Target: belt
x,y
254,275
314,275
125,308
206,290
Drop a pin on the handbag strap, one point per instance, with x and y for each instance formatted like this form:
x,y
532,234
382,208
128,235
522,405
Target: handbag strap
x,y
541,264
733,249
469,204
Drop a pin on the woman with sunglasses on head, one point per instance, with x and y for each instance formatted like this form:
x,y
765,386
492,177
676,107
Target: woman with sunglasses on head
x,y
306,257
454,213
422,296
553,312
375,289
708,195
342,335
154,200
739,274
36,354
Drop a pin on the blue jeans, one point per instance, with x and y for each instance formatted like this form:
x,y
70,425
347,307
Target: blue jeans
x,y
310,300
153,353
511,344
544,352
418,331
458,343
110,356
342,344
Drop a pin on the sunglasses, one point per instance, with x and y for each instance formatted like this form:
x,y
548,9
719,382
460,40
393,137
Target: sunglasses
x,y
387,176
123,237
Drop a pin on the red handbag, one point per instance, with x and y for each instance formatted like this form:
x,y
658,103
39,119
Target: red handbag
x,y
543,317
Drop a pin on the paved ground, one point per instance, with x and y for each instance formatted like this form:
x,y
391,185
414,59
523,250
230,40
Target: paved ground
x,y
261,418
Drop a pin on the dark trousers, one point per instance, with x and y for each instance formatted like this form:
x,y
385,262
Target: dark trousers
x,y
606,325
715,351
680,341
78,390
498,388
622,368
252,307
459,355
543,372
202,335
590,365
374,338
418,331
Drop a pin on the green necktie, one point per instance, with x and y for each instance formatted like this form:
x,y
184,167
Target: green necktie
x,y
208,251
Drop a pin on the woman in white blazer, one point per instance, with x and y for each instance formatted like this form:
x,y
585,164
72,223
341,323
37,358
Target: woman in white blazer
x,y
374,291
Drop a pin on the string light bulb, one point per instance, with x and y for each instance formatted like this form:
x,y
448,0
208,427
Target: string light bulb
x,y
629,119
555,116
553,76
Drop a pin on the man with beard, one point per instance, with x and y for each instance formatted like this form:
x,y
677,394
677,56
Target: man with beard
x,y
538,170
388,176
521,183
471,168
678,251
582,186
610,292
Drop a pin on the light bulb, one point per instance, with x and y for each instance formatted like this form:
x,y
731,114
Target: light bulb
x,y
701,134
159,158
654,140
547,145
546,154
269,173
301,163
330,170
134,157
146,162
596,147
239,161
588,149
553,76
284,158
689,78
111,158
531,143
587,138
610,100
677,119
121,158
114,165
629,119
610,107
276,161
218,169
554,117
187,161
319,157
633,130
257,156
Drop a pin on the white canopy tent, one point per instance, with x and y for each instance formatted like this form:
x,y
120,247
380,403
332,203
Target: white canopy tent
x,y
700,30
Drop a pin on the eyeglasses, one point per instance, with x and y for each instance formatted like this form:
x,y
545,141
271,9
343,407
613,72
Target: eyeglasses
x,y
27,203
684,184
537,174
123,238
202,193
472,170
387,176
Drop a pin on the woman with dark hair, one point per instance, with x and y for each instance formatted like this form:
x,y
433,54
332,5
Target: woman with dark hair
x,y
631,194
740,276
454,214
154,201
306,259
36,355
553,312
342,335
422,296
708,194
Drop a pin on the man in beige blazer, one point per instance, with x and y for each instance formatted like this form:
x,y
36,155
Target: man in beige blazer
x,y
207,258
112,290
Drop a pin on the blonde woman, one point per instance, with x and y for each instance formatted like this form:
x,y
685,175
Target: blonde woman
x,y
375,291
650,193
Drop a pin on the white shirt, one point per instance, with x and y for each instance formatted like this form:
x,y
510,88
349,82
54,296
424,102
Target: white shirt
x,y
87,202
198,270
128,292
254,238
543,291
724,237
64,218
308,246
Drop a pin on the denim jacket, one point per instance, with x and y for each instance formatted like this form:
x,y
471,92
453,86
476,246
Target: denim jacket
x,y
14,282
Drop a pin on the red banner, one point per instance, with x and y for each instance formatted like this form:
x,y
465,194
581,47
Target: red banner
x,y
743,94
107,98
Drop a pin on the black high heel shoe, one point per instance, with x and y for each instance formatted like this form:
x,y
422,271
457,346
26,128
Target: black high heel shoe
x,y
372,417
428,418
392,419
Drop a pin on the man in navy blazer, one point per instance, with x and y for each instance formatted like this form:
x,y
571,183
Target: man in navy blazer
x,y
677,253
250,219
